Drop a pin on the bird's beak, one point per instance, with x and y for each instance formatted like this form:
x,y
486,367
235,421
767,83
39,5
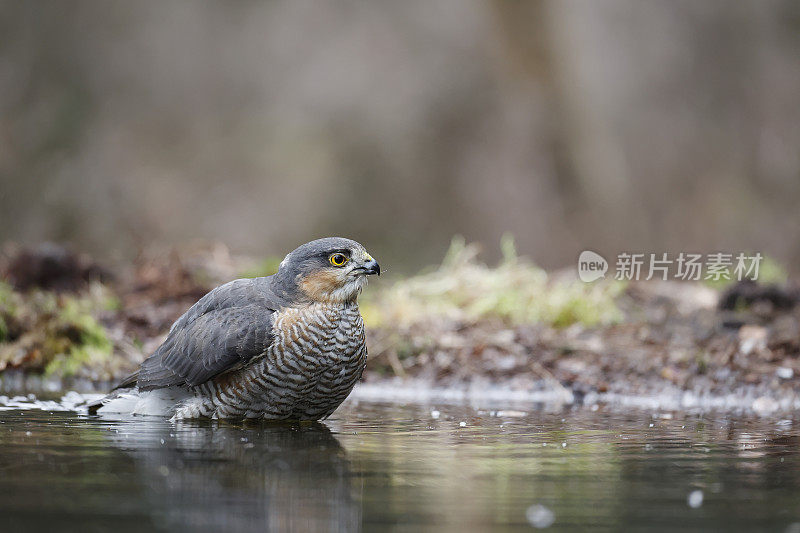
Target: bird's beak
x,y
372,267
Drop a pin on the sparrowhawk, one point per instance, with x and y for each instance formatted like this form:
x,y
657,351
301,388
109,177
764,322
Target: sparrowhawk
x,y
286,346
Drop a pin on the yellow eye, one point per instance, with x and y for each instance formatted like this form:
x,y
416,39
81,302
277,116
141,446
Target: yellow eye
x,y
338,260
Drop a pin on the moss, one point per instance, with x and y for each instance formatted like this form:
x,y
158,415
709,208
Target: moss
x,y
515,291
51,333
78,357
89,344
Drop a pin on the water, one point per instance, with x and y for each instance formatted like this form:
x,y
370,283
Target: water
x,y
379,467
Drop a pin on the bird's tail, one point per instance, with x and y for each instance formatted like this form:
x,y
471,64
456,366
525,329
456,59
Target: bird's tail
x,y
94,406
132,401
122,400
124,386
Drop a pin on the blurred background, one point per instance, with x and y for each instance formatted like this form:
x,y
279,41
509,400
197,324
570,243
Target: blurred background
x,y
619,125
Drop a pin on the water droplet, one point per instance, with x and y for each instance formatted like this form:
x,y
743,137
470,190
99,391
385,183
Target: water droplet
x,y
540,516
695,499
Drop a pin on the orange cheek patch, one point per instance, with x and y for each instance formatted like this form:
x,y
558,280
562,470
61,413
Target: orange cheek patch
x,y
319,285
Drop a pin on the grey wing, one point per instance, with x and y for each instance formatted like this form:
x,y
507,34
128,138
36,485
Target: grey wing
x,y
225,329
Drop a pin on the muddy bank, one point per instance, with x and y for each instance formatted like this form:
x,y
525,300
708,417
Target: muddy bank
x,y
464,330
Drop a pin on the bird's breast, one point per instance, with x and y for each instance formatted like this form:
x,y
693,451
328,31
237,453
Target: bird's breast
x,y
319,341
315,359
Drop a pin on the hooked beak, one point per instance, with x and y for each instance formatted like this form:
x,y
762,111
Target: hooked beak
x,y
372,267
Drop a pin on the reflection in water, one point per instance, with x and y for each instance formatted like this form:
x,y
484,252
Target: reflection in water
x,y
211,476
385,467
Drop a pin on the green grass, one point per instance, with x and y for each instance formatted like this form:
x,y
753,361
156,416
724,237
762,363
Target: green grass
x,y
515,291
52,333
92,345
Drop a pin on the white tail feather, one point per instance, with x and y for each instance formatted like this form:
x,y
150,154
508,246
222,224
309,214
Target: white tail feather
x,y
160,402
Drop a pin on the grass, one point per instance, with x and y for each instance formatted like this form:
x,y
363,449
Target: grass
x,y
515,291
55,334
92,345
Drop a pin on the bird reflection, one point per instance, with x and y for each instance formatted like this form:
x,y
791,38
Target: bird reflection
x,y
267,477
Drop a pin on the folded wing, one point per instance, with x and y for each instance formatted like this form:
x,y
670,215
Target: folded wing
x,y
225,330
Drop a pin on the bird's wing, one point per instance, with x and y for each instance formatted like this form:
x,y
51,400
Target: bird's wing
x,y
225,329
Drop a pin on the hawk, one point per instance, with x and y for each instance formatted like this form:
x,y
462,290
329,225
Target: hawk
x,y
286,346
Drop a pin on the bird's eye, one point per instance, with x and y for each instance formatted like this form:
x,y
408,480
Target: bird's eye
x,y
338,260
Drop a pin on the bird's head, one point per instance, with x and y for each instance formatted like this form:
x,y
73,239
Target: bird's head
x,y
332,270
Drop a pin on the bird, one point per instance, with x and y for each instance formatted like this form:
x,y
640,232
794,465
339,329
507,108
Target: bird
x,y
289,346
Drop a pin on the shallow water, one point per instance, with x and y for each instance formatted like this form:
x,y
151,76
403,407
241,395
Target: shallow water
x,y
404,468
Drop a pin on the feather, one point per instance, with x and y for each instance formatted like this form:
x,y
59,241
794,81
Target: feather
x,y
225,329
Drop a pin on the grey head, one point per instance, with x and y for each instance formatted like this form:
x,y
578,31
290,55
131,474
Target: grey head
x,y
331,270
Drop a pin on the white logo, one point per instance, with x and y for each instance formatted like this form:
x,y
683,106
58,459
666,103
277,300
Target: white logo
x,y
591,266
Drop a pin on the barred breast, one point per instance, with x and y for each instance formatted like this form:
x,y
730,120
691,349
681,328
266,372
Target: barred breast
x,y
318,354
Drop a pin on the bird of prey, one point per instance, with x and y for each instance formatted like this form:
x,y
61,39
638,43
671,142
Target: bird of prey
x,y
286,346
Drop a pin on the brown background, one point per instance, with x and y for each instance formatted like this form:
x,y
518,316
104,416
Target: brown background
x,y
613,125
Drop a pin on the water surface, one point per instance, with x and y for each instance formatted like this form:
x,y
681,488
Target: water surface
x,y
404,468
